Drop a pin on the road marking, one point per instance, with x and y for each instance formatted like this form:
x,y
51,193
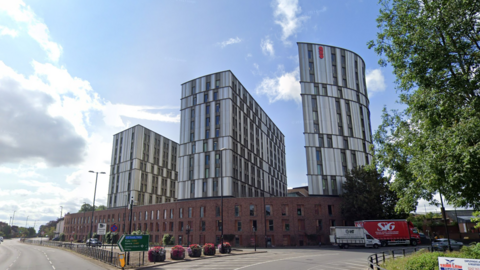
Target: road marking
x,y
53,267
280,260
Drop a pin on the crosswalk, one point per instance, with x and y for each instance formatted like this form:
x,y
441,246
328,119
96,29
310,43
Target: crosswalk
x,y
316,261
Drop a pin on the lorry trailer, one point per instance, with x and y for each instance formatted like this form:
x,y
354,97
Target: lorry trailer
x,y
391,231
346,236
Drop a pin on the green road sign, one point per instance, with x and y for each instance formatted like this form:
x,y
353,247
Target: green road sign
x,y
133,243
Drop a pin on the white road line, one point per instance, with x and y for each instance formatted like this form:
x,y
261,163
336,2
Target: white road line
x,y
356,264
53,267
280,260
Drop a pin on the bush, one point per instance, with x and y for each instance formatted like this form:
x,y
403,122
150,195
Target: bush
x,y
62,237
156,254
209,249
168,239
425,260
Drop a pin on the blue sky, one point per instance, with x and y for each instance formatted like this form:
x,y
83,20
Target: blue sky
x,y
73,73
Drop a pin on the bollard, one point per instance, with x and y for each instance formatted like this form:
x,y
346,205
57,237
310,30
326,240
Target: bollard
x,y
383,253
393,254
415,249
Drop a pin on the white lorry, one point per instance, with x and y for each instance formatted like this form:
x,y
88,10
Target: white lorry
x,y
346,236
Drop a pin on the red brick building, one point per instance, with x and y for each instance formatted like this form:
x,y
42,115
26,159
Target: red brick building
x,y
279,221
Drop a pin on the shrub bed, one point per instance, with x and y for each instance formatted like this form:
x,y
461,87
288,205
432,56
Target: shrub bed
x,y
425,260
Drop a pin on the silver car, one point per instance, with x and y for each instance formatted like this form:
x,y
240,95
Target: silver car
x,y
442,244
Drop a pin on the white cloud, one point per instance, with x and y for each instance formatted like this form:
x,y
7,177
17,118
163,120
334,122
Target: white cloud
x,y
267,46
286,13
113,114
375,81
23,14
229,42
5,31
286,86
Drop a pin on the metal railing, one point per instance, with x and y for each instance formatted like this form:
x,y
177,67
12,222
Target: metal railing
x,y
376,259
102,255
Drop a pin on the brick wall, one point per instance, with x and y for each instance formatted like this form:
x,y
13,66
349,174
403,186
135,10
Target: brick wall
x,y
297,226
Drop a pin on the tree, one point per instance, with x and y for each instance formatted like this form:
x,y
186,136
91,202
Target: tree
x,y
434,144
85,208
168,239
367,196
100,207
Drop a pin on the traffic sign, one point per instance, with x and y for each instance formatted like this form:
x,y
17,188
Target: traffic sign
x,y
113,228
133,243
102,229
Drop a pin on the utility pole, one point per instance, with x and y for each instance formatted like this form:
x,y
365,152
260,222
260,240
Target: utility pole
x,y
61,211
13,218
26,222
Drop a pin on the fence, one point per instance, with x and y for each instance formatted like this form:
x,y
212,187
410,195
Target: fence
x,y
103,255
376,259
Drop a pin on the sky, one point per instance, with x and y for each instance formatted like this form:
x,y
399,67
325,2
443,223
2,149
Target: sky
x,y
74,73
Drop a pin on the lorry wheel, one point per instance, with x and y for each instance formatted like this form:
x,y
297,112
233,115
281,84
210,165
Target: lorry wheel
x,y
375,246
414,242
340,246
383,243
345,246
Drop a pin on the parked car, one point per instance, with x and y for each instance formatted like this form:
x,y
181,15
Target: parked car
x,y
93,242
424,238
442,244
56,239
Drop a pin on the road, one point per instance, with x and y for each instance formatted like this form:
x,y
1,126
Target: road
x,y
15,255
285,259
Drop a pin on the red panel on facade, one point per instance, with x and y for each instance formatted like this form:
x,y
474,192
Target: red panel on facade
x,y
320,52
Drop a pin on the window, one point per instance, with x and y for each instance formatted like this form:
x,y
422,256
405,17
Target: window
x,y
217,120
202,211
180,213
325,185
320,140
207,122
330,210
319,225
217,132
334,185
217,108
324,90
193,90
207,86
300,210
205,97
286,225
239,225
318,209
310,55
345,143
202,225
193,148
207,110
270,225
332,223
237,210
315,90
195,100
252,210
284,210
189,212
217,83
329,141
268,210
207,133
219,225
215,95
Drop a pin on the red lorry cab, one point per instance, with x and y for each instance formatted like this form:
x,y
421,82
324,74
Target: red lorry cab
x,y
391,231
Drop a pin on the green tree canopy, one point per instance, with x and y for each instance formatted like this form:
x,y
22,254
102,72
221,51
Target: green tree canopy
x,y
434,145
88,208
366,195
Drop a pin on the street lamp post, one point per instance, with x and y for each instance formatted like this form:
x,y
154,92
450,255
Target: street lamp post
x,y
221,185
130,227
26,222
254,238
94,194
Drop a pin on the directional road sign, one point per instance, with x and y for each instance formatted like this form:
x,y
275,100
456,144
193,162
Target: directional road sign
x,y
113,228
133,243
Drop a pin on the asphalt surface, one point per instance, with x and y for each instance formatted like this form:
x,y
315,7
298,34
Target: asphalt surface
x,y
15,255
282,259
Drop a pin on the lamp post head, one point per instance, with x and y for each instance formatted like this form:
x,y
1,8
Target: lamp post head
x,y
91,171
